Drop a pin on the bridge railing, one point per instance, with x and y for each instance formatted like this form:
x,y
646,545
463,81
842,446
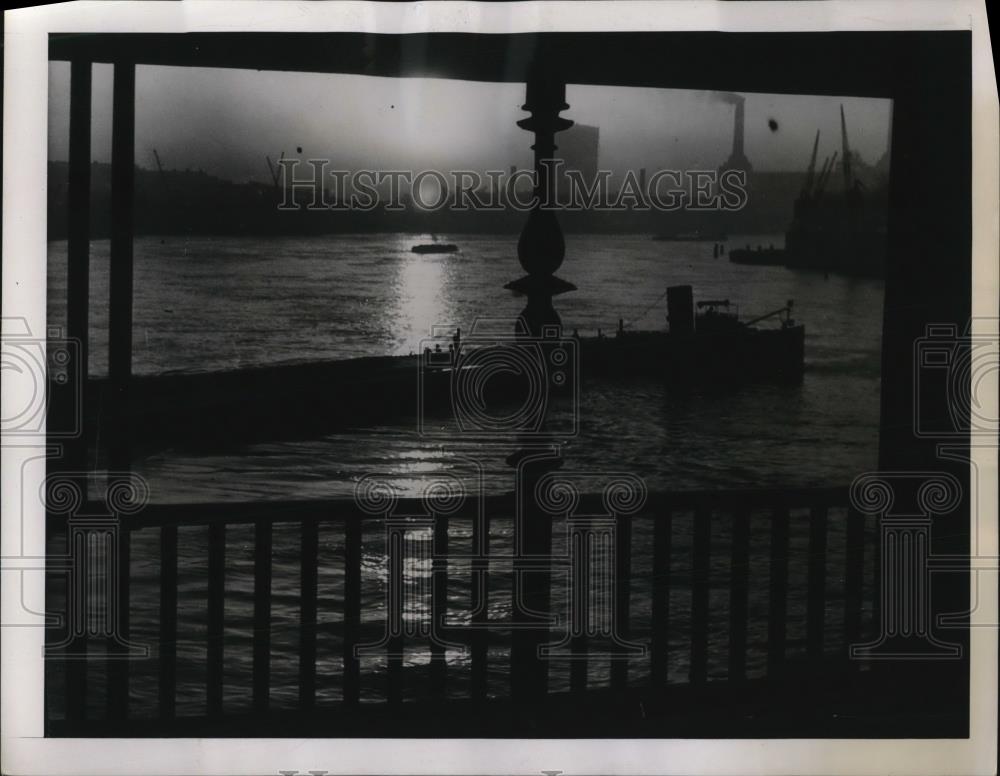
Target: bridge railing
x,y
717,544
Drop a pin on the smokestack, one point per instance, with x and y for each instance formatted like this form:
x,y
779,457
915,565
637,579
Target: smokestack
x,y
738,159
680,310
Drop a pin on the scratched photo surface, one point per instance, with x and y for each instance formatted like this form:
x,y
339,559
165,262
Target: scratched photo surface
x,y
418,394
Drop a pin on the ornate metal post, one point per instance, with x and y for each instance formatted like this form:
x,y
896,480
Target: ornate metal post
x,y
540,250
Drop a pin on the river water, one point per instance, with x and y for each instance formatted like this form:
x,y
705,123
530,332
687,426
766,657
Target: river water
x,y
206,303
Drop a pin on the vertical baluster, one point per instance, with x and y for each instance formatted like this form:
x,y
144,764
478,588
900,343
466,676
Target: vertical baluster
x,y
854,562
439,605
168,620
875,526
623,594
582,549
352,609
119,566
216,614
739,596
309,573
262,616
816,612
531,595
480,600
662,529
77,618
778,593
395,615
699,595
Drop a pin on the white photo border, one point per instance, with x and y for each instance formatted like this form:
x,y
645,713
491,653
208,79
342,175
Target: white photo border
x,y
26,751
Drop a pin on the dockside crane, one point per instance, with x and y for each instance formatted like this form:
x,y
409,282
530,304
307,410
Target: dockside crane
x,y
825,175
846,149
807,187
163,173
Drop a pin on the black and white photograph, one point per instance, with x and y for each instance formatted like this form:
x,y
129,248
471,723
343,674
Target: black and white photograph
x,y
371,378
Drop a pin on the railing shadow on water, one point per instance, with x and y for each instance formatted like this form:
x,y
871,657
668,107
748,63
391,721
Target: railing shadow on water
x,y
701,589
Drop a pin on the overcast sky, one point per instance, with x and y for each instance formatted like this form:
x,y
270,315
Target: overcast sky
x,y
225,120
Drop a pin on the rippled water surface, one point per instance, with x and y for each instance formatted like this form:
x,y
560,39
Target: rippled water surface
x,y
220,303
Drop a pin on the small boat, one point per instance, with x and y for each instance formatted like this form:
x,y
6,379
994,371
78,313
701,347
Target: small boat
x,y
695,235
434,248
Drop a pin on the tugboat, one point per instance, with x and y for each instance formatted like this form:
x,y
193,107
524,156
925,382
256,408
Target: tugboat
x,y
706,343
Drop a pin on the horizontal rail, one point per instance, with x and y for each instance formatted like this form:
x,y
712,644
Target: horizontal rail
x,y
345,509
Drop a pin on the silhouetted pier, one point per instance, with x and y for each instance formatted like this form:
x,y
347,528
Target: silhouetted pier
x,y
228,407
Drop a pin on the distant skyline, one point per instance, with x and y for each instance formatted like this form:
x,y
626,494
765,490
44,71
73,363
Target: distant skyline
x,y
224,121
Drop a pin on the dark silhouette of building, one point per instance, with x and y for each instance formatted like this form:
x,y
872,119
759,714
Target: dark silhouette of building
x,y
579,148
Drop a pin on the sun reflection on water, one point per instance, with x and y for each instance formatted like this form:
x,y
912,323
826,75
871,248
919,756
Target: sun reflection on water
x,y
422,298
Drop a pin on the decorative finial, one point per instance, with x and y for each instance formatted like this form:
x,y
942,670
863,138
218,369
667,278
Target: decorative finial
x,y
541,247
